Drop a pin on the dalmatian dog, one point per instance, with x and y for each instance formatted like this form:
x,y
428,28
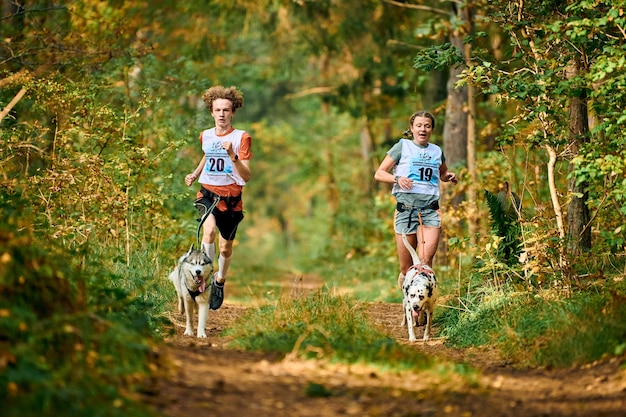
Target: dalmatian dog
x,y
420,294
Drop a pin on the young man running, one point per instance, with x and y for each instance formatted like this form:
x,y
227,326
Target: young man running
x,y
222,172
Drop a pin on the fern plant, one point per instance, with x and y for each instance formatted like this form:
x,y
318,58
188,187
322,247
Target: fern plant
x,y
504,209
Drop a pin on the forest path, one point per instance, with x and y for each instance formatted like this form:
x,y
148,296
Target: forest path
x,y
208,378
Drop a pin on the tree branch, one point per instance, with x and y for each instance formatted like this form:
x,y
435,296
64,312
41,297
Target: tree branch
x,y
417,7
392,43
13,102
310,91
12,78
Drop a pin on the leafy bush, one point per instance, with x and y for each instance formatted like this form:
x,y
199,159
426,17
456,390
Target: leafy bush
x,y
68,346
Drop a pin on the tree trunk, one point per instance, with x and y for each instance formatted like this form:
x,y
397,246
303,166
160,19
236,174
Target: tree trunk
x,y
457,122
331,181
455,128
473,225
578,217
367,154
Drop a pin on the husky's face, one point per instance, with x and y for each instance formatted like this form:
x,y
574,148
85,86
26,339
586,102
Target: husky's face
x,y
198,266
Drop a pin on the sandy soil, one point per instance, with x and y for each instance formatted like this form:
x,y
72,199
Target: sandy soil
x,y
205,377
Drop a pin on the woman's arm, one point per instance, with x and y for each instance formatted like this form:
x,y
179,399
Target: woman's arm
x,y
382,174
446,175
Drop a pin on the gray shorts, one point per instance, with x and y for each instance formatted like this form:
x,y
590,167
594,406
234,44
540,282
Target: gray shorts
x,y
407,221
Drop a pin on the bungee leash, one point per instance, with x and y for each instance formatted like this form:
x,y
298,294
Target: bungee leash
x,y
208,211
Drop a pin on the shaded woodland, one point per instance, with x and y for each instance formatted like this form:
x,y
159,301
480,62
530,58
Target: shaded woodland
x,y
100,113
100,102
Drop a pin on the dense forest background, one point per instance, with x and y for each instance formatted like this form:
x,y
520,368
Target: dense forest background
x,y
100,113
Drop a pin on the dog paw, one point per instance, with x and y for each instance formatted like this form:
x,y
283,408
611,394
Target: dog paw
x,y
201,335
412,339
188,332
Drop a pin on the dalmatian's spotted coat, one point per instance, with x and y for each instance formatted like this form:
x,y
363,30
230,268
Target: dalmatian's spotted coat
x,y
420,294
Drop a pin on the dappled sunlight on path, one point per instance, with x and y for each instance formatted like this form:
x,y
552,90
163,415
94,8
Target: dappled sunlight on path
x,y
205,376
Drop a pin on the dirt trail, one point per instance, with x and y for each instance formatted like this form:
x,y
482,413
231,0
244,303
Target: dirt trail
x,y
207,378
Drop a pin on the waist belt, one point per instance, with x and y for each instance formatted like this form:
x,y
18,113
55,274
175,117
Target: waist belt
x,y
231,201
401,207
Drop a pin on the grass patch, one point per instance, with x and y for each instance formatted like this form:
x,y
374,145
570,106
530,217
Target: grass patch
x,y
578,330
322,326
143,277
250,282
366,279
546,329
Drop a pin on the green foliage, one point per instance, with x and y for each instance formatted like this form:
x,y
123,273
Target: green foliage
x,y
561,51
548,329
438,57
70,346
604,170
108,127
505,224
322,326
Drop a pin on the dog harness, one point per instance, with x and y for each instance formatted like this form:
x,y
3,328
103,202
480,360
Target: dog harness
x,y
193,294
423,269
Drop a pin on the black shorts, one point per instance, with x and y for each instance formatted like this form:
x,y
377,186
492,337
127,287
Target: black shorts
x,y
227,222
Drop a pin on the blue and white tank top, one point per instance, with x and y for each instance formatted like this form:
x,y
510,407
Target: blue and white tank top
x,y
421,164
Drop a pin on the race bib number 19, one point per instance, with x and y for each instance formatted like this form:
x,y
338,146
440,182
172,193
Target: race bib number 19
x,y
424,169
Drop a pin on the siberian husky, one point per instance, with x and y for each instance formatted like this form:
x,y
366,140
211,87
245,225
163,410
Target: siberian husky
x,y
192,280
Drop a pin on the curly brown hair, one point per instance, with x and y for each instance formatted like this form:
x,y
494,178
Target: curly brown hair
x,y
235,96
